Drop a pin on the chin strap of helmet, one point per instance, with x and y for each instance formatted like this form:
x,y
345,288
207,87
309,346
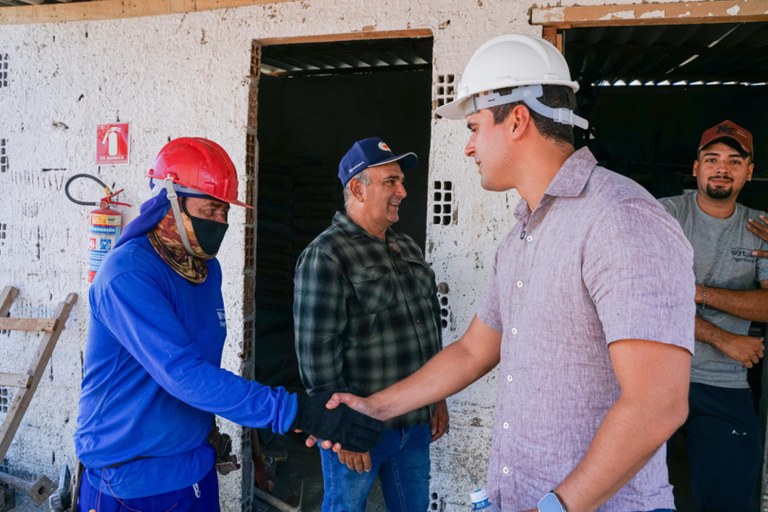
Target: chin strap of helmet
x,y
529,95
170,191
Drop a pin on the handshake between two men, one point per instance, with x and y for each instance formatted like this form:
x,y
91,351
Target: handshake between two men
x,y
341,426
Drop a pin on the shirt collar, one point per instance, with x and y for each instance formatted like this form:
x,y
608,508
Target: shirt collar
x,y
352,230
569,181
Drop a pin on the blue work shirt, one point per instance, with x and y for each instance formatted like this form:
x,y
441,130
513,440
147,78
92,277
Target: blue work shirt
x,y
152,378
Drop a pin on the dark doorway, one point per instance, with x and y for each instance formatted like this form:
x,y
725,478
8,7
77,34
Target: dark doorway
x,y
314,101
650,91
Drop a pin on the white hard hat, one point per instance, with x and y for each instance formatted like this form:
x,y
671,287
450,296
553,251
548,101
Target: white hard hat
x,y
512,60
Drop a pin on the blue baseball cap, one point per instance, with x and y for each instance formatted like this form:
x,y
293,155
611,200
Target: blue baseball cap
x,y
371,152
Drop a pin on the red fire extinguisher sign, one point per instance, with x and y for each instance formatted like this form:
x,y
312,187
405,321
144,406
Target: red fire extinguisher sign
x,y
112,143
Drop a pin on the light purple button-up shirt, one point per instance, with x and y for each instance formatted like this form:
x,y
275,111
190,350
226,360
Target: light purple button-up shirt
x,y
599,260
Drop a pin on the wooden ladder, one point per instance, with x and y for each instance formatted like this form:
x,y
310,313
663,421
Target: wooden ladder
x,y
27,382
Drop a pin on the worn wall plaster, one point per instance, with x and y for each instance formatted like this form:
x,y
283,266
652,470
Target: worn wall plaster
x,y
177,75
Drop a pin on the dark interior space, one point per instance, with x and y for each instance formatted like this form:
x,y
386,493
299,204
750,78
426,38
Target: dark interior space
x,y
314,102
651,133
649,92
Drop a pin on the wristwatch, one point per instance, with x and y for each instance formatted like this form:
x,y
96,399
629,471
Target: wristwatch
x,y
551,503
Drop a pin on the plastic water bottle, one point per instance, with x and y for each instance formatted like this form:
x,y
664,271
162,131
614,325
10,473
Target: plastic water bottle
x,y
480,501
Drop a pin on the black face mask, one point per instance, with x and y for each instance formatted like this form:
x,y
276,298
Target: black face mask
x,y
209,234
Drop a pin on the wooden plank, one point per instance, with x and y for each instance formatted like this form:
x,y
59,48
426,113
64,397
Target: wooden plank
x,y
14,380
349,36
36,369
38,491
28,324
115,9
674,13
6,299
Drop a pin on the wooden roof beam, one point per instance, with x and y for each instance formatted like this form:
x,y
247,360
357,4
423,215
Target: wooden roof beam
x,y
730,11
114,9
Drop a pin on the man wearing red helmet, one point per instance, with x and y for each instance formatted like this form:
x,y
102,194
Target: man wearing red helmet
x,y
152,380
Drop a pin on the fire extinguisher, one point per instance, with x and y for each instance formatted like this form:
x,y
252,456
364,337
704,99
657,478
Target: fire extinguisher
x,y
105,223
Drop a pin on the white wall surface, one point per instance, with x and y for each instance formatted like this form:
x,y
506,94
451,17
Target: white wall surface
x,y
178,75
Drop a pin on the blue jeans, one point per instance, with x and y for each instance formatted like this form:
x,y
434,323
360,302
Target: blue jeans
x,y
400,461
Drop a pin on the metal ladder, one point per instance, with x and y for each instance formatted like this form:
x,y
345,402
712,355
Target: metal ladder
x,y
27,382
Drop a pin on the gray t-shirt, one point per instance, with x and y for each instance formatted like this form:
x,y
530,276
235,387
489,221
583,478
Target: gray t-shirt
x,y
721,259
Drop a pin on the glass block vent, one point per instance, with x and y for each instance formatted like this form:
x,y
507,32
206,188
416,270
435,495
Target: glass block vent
x,y
445,310
5,399
436,502
445,89
3,155
442,203
3,70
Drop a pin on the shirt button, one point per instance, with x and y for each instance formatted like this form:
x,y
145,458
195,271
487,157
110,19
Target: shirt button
x,y
519,284
509,378
529,239
505,470
505,424
514,331
418,322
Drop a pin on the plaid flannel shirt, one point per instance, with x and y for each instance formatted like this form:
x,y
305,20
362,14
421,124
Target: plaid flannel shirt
x,y
365,311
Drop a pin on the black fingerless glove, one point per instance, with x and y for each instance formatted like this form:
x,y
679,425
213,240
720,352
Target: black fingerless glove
x,y
353,430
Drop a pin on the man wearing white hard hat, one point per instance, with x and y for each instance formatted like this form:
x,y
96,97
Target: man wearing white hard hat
x,y
588,313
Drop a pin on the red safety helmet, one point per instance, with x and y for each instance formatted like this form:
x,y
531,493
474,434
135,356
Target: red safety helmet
x,y
199,164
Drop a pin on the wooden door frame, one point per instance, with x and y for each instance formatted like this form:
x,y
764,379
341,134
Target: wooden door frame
x,y
554,20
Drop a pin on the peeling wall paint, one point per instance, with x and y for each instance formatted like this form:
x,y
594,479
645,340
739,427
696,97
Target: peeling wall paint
x,y
177,75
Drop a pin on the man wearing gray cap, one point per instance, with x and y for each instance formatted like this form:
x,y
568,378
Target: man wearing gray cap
x,y
722,431
366,316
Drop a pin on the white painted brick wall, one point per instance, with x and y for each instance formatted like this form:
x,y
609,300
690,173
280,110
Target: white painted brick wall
x,y
178,75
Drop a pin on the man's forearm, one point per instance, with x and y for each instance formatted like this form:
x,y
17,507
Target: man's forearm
x,y
748,304
440,378
451,370
744,349
709,333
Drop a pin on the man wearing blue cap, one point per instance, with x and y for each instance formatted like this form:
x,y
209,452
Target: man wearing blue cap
x,y
366,315
152,378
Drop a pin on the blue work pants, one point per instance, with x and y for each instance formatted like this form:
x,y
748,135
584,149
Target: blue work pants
x,y
203,496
